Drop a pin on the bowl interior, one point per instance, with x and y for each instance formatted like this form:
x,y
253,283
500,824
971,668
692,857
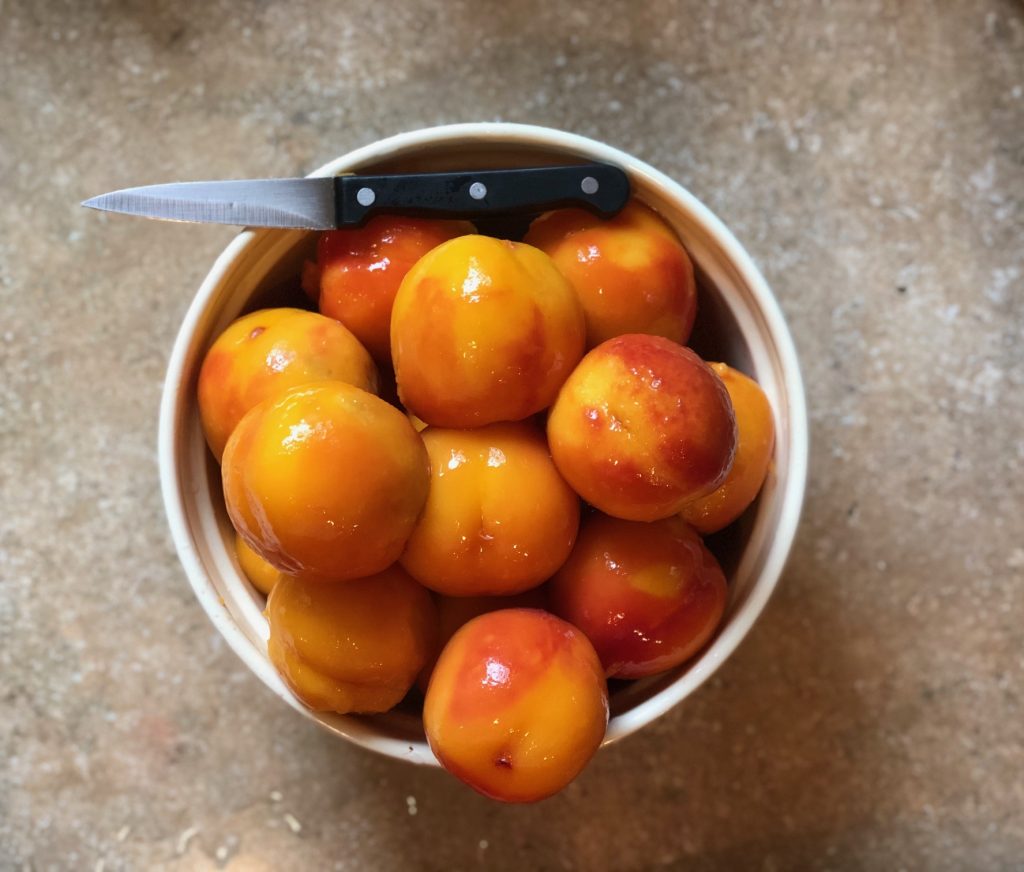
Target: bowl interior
x,y
734,325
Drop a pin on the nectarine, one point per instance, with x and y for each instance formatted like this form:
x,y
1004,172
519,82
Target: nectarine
x,y
499,519
267,352
483,330
642,427
325,481
352,647
648,596
517,704
631,273
755,429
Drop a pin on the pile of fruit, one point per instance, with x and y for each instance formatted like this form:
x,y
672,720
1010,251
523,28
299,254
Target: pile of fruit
x,y
522,519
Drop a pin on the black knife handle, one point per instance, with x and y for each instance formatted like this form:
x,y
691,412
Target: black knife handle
x,y
601,188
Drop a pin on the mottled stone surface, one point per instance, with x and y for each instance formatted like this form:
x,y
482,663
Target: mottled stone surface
x,y
870,155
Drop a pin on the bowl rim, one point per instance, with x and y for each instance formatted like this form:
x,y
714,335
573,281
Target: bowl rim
x,y
504,134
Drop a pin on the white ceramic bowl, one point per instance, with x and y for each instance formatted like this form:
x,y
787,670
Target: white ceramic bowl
x,y
738,321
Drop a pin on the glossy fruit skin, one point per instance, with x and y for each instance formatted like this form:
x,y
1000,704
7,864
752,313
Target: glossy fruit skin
x,y
352,647
517,704
755,428
267,352
360,269
499,519
454,611
631,273
325,481
642,427
647,595
262,575
483,330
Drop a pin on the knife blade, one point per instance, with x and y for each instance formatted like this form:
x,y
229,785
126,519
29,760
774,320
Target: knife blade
x,y
348,201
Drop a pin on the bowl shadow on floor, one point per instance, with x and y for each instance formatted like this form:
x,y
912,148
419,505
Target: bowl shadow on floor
x,y
776,757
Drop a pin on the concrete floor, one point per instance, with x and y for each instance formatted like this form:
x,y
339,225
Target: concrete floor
x,y
870,155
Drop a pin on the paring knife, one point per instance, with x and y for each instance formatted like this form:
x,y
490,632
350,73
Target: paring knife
x,y
347,201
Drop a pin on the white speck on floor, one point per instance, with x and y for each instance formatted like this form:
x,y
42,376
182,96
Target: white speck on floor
x,y
186,837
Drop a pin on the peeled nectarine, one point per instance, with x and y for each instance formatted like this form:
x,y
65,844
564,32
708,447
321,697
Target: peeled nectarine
x,y
631,273
352,647
517,704
648,596
265,353
325,481
755,435
642,427
483,330
499,519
